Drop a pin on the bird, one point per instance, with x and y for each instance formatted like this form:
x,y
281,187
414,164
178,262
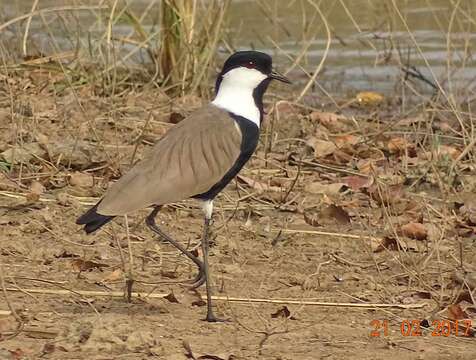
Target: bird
x,y
196,158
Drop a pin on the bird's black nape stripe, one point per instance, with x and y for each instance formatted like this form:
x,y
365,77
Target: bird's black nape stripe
x,y
249,141
92,221
258,94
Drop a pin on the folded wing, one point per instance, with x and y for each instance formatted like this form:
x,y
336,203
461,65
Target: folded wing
x,y
191,157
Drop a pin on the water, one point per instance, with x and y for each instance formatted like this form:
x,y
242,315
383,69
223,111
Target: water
x,y
364,52
352,63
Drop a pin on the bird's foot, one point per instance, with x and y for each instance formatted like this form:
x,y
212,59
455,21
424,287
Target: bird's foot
x,y
213,319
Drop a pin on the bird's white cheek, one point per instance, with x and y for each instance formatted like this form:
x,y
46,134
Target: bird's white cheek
x,y
243,76
235,93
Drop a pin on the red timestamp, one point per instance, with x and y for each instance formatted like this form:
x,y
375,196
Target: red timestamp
x,y
438,328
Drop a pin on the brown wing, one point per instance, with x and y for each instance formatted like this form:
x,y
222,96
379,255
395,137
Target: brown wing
x,y
191,157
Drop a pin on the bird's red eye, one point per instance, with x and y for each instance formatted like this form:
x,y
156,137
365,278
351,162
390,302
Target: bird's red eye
x,y
250,65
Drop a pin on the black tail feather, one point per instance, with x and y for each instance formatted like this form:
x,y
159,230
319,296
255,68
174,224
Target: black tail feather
x,y
92,220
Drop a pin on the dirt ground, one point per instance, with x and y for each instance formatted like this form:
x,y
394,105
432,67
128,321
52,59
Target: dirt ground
x,y
338,209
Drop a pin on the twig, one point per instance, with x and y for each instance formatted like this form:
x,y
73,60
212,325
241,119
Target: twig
x,y
27,26
139,138
324,56
325,233
293,184
12,309
49,10
327,167
226,298
414,72
464,153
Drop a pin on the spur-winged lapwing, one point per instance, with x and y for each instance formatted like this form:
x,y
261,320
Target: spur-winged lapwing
x,y
196,158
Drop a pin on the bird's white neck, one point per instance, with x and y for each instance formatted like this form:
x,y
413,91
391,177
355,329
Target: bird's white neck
x,y
235,93
239,102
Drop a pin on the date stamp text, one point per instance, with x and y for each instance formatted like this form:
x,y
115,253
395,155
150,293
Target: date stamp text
x,y
414,327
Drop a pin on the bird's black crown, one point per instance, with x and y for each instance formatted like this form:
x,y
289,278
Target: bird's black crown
x,y
250,59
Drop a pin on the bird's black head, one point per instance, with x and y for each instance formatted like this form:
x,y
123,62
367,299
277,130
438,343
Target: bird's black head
x,y
249,59
252,60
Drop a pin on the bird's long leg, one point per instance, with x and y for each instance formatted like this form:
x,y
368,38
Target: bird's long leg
x,y
199,280
208,206
150,221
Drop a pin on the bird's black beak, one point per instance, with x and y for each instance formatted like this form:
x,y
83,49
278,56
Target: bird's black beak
x,y
280,77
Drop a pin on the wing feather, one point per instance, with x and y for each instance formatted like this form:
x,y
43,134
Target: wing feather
x,y
191,157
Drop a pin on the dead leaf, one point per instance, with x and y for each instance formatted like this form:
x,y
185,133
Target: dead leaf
x,y
81,265
357,182
311,219
322,148
187,103
330,120
32,197
176,117
367,167
81,179
343,156
17,354
327,189
37,188
23,154
63,198
442,152
48,348
455,312
42,139
189,353
199,302
72,152
387,195
468,278
283,312
369,98
468,210
397,145
168,274
335,214
171,298
7,324
468,307
65,254
112,276
450,151
346,140
286,108
468,182
387,243
411,121
140,340
415,230
259,186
